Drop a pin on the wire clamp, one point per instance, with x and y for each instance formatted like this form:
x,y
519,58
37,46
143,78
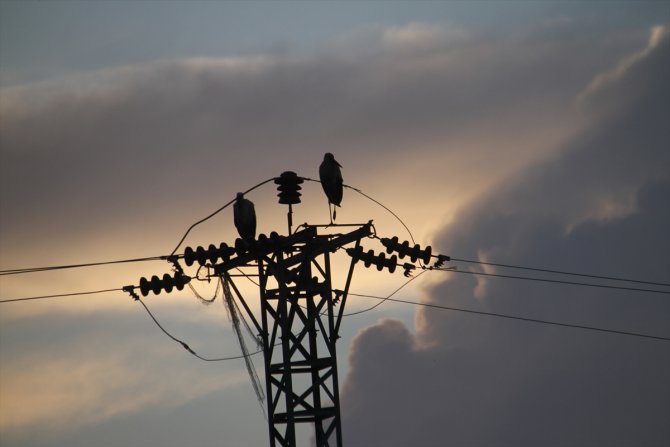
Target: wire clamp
x,y
441,259
338,295
409,268
131,292
174,260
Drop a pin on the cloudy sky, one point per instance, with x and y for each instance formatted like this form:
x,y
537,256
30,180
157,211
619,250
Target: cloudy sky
x,y
524,133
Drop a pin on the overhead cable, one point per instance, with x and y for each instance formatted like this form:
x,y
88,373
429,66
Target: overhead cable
x,y
73,266
386,298
555,281
513,317
612,278
44,297
383,299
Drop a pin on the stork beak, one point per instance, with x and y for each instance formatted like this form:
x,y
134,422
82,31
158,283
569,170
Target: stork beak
x,y
337,163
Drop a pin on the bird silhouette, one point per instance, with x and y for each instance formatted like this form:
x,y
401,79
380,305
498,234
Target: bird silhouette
x,y
331,181
244,216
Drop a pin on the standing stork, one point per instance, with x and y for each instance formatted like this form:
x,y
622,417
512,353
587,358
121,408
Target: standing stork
x,y
244,216
331,181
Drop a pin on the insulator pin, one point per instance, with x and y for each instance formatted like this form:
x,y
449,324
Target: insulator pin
x,y
211,254
168,283
272,242
403,249
380,261
289,188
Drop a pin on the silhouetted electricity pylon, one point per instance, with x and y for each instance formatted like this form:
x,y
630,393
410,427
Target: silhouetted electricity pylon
x,y
300,320
300,311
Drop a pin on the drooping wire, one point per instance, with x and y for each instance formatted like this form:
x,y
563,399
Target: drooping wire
x,y
188,348
215,213
554,281
612,278
513,317
386,208
375,201
202,299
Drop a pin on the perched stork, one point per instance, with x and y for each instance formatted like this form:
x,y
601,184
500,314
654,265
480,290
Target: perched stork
x,y
331,181
244,216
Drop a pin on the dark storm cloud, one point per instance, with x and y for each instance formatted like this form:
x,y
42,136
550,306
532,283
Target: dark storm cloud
x,y
600,206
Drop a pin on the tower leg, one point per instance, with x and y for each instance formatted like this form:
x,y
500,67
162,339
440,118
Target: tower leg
x,y
300,357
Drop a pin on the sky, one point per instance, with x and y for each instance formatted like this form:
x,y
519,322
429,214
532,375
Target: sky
x,y
521,133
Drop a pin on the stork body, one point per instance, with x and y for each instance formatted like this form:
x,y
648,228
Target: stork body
x,y
331,181
244,216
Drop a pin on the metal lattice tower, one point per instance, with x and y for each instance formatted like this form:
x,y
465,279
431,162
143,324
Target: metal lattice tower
x,y
300,320
300,310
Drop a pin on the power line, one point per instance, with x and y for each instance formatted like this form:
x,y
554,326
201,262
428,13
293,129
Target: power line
x,y
384,299
73,266
158,258
613,278
154,258
555,281
19,271
525,278
44,297
513,317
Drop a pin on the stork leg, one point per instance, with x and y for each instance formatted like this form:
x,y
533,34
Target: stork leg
x,y
330,216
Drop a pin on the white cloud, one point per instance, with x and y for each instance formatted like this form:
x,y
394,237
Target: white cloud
x,y
600,82
420,36
479,291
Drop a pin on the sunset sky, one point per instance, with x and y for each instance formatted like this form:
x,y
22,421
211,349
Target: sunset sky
x,y
515,132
